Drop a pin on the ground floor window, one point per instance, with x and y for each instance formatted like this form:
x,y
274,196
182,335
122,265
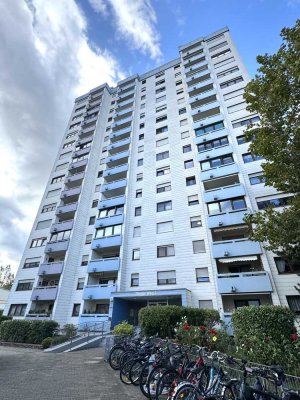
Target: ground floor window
x,y
17,310
294,303
246,303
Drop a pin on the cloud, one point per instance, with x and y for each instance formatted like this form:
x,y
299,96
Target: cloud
x,y
135,21
46,61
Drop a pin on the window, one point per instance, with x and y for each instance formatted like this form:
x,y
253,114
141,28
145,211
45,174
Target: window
x,y
88,239
53,193
109,212
102,161
137,230
76,309
92,220
63,235
217,46
217,207
140,162
17,310
142,115
100,174
161,108
188,164
163,187
182,111
143,97
71,134
160,90
166,251
70,144
187,148
163,227
161,98
162,130
231,82
162,142
236,107
202,275
141,136
142,125
248,157
97,188
195,221
206,304
179,82
138,211
94,203
48,207
217,162
256,179
84,260
43,224
179,91
177,74
135,254
242,139
185,134
244,122
191,180
134,281
180,101
227,72
163,171
138,193
139,177
193,200
162,156
25,284
213,144
294,303
166,278
143,89
246,303
33,262
143,105
287,267
58,179
161,73
279,202
65,155
209,128
198,246
143,82
80,284
221,54
183,122
233,94
39,242
140,149
177,66
161,118
164,206
111,230
160,82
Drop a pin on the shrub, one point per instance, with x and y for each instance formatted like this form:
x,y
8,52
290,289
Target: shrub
x,y
3,317
46,343
162,320
124,328
22,331
59,339
70,330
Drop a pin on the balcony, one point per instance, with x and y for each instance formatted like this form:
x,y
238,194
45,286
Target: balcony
x,y
205,137
70,195
37,317
113,201
119,113
80,142
247,282
82,152
189,68
193,90
104,265
44,293
66,211
193,59
209,119
84,132
125,96
106,242
235,248
208,90
235,217
114,188
119,172
224,193
204,107
60,246
78,164
62,226
54,268
217,172
119,146
107,221
215,152
74,180
117,159
125,102
191,79
121,123
122,133
98,292
189,52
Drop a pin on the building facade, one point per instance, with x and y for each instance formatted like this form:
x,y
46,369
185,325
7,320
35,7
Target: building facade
x,y
146,200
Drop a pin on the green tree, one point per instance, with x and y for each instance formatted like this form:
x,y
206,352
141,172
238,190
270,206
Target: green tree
x,y
6,277
274,93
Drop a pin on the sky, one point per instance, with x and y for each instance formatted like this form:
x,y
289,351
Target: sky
x,y
54,50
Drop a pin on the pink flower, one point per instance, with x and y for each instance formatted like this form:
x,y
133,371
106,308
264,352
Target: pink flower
x,y
202,328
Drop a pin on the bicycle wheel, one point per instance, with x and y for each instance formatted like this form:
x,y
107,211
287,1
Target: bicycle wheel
x,y
231,391
144,376
115,357
124,372
135,371
128,355
188,391
166,385
203,381
154,376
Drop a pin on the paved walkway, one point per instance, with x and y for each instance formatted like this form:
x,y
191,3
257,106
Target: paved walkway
x,y
29,374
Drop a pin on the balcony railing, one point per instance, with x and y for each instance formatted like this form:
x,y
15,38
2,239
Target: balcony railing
x,y
62,226
44,293
53,268
106,242
223,193
235,217
217,172
108,221
97,292
57,247
235,248
246,282
111,202
104,265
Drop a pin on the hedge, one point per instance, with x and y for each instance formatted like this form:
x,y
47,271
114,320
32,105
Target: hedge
x,y
22,331
162,320
4,318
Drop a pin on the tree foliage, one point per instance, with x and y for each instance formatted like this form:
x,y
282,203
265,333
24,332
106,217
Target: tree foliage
x,y
6,277
275,95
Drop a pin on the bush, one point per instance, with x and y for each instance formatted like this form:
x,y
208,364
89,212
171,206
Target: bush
x,y
70,330
22,331
3,317
46,343
59,339
124,328
162,320
266,335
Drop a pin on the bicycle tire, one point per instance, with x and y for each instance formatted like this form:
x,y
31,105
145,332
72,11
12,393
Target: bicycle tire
x,y
124,372
144,376
154,376
188,391
164,388
115,356
134,373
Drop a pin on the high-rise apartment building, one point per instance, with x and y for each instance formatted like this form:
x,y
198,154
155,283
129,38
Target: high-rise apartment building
x,y
146,200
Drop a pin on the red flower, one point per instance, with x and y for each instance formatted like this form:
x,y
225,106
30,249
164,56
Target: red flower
x,y
294,336
186,327
202,328
213,331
